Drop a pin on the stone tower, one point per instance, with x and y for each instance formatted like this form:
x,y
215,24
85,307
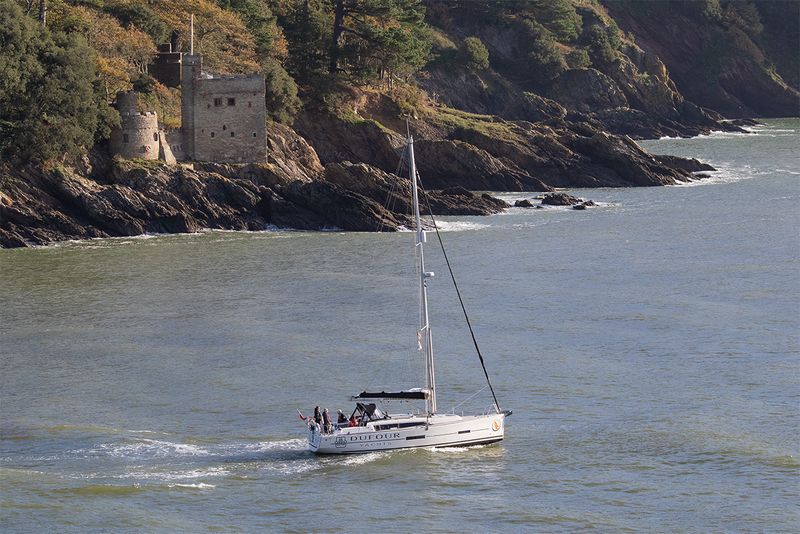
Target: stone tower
x,y
137,135
191,67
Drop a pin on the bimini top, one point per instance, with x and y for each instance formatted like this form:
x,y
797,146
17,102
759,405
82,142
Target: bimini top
x,y
413,394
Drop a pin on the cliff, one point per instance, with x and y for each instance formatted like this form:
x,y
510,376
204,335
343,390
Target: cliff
x,y
738,58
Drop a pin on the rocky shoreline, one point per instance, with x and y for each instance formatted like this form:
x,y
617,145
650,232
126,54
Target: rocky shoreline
x,y
98,197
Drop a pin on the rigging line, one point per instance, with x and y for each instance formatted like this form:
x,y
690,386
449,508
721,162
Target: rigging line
x,y
468,398
458,292
391,200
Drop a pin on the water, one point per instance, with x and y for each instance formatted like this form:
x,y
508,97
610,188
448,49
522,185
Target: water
x,y
648,347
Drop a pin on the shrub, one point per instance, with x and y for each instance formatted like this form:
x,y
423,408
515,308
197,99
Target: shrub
x,y
578,59
475,53
282,100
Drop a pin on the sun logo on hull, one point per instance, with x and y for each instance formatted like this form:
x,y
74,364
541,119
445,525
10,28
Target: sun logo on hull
x,y
495,425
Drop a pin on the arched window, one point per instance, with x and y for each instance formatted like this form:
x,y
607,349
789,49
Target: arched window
x,y
224,127
125,138
233,135
155,137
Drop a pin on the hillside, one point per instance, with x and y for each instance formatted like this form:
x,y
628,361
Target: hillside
x,y
521,95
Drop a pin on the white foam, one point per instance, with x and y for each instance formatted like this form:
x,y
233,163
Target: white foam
x,y
460,226
362,459
190,474
144,448
461,450
201,485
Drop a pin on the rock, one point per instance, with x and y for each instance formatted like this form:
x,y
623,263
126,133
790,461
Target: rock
x,y
524,203
560,199
391,190
586,90
685,164
583,205
448,163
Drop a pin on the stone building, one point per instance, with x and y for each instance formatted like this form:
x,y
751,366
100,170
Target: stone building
x,y
223,118
166,67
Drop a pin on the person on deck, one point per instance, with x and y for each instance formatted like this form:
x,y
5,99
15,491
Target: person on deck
x,y
326,421
352,421
317,415
342,419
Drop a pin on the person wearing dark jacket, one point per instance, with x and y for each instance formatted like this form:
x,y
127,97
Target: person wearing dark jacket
x,y
326,421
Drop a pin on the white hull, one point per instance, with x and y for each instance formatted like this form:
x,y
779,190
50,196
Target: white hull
x,y
409,431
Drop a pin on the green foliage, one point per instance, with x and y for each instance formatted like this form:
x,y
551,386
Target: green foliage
x,y
601,44
307,26
475,54
139,15
282,100
744,16
262,25
558,16
578,59
373,37
541,52
50,104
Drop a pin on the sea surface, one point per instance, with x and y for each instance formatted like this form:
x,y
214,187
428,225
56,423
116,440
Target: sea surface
x,y
649,349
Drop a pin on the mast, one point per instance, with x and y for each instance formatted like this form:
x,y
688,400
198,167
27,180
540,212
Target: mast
x,y
424,332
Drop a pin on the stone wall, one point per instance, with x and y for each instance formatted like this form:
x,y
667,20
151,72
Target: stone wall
x,y
166,66
174,140
230,118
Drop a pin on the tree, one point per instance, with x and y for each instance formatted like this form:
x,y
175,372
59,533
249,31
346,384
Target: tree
x,y
307,26
371,36
139,16
282,100
51,105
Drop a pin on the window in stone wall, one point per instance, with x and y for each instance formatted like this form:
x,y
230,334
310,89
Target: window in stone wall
x,y
233,135
212,134
254,134
224,127
231,101
125,138
217,102
155,137
249,104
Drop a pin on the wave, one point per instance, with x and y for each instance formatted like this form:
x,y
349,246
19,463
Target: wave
x,y
460,226
726,174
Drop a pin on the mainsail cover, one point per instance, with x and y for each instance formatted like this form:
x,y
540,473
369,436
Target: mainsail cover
x,y
403,395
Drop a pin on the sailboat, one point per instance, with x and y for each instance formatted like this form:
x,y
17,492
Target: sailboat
x,y
371,428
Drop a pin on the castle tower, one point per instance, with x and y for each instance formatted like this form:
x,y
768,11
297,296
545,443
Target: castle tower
x,y
191,70
137,135
191,66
